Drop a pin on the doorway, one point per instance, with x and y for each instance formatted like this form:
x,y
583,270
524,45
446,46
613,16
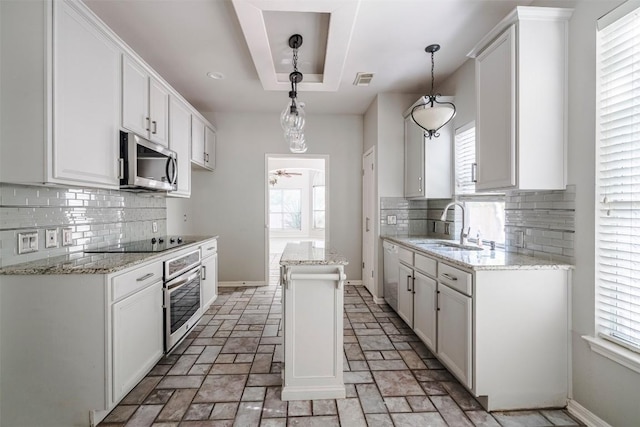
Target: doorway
x,y
296,208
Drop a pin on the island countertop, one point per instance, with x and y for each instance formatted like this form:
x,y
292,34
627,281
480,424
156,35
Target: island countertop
x,y
485,259
306,253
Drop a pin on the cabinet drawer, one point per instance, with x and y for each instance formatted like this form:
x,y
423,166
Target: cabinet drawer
x,y
456,279
209,248
405,255
425,264
132,281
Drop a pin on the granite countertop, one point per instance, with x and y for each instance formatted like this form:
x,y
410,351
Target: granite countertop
x,y
485,259
306,253
85,263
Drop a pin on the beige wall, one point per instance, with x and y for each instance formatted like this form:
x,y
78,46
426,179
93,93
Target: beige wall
x,y
231,200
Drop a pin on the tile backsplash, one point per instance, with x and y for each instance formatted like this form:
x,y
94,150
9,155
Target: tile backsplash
x,y
96,218
546,220
415,218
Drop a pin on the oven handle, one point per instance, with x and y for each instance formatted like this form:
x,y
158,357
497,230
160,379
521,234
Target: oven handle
x,y
184,281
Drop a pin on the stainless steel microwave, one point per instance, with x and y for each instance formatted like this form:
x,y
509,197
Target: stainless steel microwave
x,y
145,165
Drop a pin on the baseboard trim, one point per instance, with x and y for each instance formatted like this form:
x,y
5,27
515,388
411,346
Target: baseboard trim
x,y
379,300
240,284
354,282
584,415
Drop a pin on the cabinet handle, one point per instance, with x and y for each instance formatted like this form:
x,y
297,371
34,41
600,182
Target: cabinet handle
x,y
120,168
206,157
436,300
474,172
145,277
211,248
367,225
204,272
413,290
155,127
408,287
450,277
148,123
419,184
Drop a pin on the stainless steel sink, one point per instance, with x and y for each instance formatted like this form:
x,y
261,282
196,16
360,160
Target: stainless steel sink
x,y
448,246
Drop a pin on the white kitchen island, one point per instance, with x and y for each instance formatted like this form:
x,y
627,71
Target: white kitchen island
x,y
312,279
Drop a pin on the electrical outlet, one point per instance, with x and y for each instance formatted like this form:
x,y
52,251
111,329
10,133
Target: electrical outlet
x,y
67,239
27,242
154,226
519,243
392,220
51,238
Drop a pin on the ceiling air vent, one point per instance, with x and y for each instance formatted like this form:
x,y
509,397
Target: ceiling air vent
x,y
363,79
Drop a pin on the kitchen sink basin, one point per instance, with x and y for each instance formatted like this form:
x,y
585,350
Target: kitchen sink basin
x,y
449,246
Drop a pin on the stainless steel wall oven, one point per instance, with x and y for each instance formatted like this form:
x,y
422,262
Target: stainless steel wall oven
x,y
181,297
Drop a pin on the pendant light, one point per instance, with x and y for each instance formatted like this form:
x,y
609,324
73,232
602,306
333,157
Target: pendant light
x,y
292,118
431,114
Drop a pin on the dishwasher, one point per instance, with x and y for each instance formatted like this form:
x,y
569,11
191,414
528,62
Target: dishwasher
x,y
390,274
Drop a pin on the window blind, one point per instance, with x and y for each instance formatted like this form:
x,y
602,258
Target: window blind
x,y
618,183
465,157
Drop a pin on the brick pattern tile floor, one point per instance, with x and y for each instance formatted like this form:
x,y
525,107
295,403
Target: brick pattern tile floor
x,y
227,373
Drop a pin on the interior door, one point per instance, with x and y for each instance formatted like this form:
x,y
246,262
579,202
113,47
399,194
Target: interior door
x,y
368,215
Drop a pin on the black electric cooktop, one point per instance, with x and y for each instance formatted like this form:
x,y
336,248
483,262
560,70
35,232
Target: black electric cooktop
x,y
159,244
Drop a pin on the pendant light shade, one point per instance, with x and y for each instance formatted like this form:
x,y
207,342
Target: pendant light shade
x,y
431,114
292,118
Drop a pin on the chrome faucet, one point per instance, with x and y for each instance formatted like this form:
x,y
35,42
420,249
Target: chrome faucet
x,y
463,236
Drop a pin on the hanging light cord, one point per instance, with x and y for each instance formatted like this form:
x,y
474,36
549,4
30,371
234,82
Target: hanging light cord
x,y
432,75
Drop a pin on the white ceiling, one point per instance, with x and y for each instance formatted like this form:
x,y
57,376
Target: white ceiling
x,y
183,40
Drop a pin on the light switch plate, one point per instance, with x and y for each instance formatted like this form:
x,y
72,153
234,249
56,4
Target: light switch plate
x,y
392,220
67,240
519,243
51,238
154,226
27,242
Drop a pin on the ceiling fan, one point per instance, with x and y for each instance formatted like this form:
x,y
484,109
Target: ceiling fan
x,y
273,176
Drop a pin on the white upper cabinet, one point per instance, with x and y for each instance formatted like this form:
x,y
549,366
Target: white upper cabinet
x,y
520,128
60,96
203,144
180,142
427,162
145,103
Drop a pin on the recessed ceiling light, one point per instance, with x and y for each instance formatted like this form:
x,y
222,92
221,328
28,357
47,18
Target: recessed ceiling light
x,y
216,75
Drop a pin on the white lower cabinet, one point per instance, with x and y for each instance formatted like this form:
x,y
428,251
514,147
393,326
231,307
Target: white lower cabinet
x,y
209,279
137,337
502,332
84,342
405,294
424,303
454,332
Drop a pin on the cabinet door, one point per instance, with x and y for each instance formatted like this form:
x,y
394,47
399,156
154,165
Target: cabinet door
x,y
454,332
135,97
180,142
197,141
158,113
405,294
209,281
424,316
209,148
86,87
496,113
137,337
413,159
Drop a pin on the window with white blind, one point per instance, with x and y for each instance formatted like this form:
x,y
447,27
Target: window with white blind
x,y
485,211
465,155
618,180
